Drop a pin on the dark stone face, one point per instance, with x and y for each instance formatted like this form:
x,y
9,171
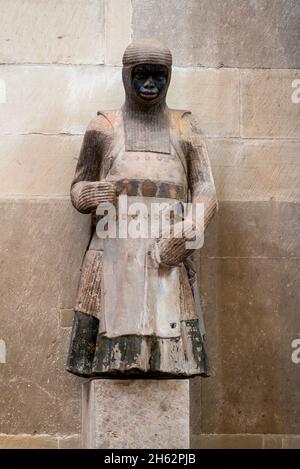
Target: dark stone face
x,y
149,80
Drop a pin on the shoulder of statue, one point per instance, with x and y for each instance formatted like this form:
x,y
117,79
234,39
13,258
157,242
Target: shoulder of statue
x,y
109,116
186,122
102,124
178,120
178,114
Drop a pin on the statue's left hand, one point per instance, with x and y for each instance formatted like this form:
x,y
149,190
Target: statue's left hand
x,y
171,251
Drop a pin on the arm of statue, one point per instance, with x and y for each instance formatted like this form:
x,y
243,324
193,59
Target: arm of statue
x,y
87,192
172,251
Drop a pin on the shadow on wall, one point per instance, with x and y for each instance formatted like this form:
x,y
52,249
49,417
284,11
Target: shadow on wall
x,y
250,287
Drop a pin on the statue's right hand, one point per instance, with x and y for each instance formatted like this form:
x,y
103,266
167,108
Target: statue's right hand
x,y
104,191
87,195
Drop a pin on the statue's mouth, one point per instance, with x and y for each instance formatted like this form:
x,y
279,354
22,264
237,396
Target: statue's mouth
x,y
148,95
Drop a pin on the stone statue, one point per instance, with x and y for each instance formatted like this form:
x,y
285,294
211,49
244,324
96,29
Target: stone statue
x,y
136,312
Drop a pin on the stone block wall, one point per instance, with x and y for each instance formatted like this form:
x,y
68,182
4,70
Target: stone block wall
x,y
236,65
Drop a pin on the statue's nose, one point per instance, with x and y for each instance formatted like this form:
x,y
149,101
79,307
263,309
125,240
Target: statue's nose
x,y
149,83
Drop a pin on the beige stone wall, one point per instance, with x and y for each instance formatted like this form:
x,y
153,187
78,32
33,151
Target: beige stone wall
x,y
235,66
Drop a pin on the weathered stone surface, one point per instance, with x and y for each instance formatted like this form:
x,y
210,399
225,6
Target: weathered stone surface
x,y
28,442
60,31
38,164
136,414
69,442
254,230
213,33
66,317
57,99
238,441
2,91
42,244
256,170
195,407
249,283
117,30
245,441
272,441
267,108
291,442
2,351
64,99
251,310
213,95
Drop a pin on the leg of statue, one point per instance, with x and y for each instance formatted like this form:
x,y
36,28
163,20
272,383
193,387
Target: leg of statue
x,y
86,323
83,343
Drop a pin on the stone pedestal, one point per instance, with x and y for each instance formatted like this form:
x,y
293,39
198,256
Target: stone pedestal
x,y
135,414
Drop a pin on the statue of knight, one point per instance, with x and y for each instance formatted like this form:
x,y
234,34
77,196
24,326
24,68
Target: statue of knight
x,y
137,307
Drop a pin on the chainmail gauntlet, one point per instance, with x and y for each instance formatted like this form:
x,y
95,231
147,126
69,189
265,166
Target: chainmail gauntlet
x,y
86,196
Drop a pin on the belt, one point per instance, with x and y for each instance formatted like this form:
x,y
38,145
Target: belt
x,y
148,188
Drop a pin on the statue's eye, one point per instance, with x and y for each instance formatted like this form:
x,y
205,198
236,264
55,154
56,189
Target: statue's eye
x,y
139,76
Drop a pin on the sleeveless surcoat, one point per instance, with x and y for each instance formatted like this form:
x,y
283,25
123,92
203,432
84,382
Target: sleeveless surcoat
x,y
130,314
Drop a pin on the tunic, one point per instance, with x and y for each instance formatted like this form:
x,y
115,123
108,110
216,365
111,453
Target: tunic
x,y
134,318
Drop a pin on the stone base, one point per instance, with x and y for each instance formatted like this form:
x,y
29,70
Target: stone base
x,y
135,414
